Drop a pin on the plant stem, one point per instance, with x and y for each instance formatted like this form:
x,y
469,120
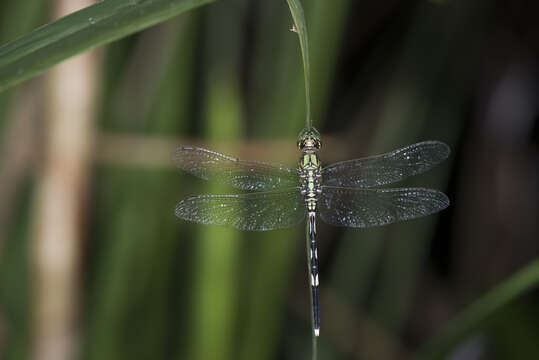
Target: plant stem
x,y
315,347
301,29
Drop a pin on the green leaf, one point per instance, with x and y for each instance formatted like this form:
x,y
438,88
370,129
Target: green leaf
x,y
471,318
88,28
299,21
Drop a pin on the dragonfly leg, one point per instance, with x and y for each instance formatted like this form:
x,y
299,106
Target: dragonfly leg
x,y
313,269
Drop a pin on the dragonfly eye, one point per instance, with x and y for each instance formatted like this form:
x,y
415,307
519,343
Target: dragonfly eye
x,y
309,139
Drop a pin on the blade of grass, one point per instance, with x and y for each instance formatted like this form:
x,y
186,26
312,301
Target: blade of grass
x,y
15,18
93,26
214,310
271,256
480,310
301,29
136,239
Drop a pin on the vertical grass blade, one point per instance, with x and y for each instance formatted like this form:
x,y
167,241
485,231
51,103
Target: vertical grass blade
x,y
301,29
214,313
136,244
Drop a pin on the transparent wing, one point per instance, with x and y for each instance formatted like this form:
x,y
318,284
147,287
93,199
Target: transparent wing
x,y
227,170
387,168
253,211
374,207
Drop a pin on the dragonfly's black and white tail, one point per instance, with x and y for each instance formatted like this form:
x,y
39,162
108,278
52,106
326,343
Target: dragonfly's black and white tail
x,y
313,272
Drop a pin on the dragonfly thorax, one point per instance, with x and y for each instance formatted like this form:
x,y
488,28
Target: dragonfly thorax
x,y
310,175
309,168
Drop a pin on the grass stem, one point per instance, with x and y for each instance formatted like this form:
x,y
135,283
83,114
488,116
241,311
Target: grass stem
x,y
301,29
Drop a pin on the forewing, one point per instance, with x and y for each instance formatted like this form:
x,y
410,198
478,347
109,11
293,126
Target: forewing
x,y
261,211
227,170
387,168
375,207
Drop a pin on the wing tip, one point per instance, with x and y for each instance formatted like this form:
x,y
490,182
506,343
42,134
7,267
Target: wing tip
x,y
443,201
444,149
440,197
176,156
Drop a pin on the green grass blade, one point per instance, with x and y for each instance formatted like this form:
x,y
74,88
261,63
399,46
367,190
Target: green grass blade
x,y
472,317
88,28
214,309
299,20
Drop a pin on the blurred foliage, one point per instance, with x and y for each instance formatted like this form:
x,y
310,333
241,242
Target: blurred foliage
x,y
383,75
95,25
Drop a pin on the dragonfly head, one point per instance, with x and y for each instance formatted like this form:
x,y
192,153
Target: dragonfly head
x,y
309,140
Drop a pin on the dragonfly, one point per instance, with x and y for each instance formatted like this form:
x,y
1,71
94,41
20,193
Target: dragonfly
x,y
342,194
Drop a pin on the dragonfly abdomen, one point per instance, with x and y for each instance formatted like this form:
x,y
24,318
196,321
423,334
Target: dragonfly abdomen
x,y
313,272
310,174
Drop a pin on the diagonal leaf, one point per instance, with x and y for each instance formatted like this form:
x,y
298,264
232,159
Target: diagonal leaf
x,y
475,315
299,20
88,28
